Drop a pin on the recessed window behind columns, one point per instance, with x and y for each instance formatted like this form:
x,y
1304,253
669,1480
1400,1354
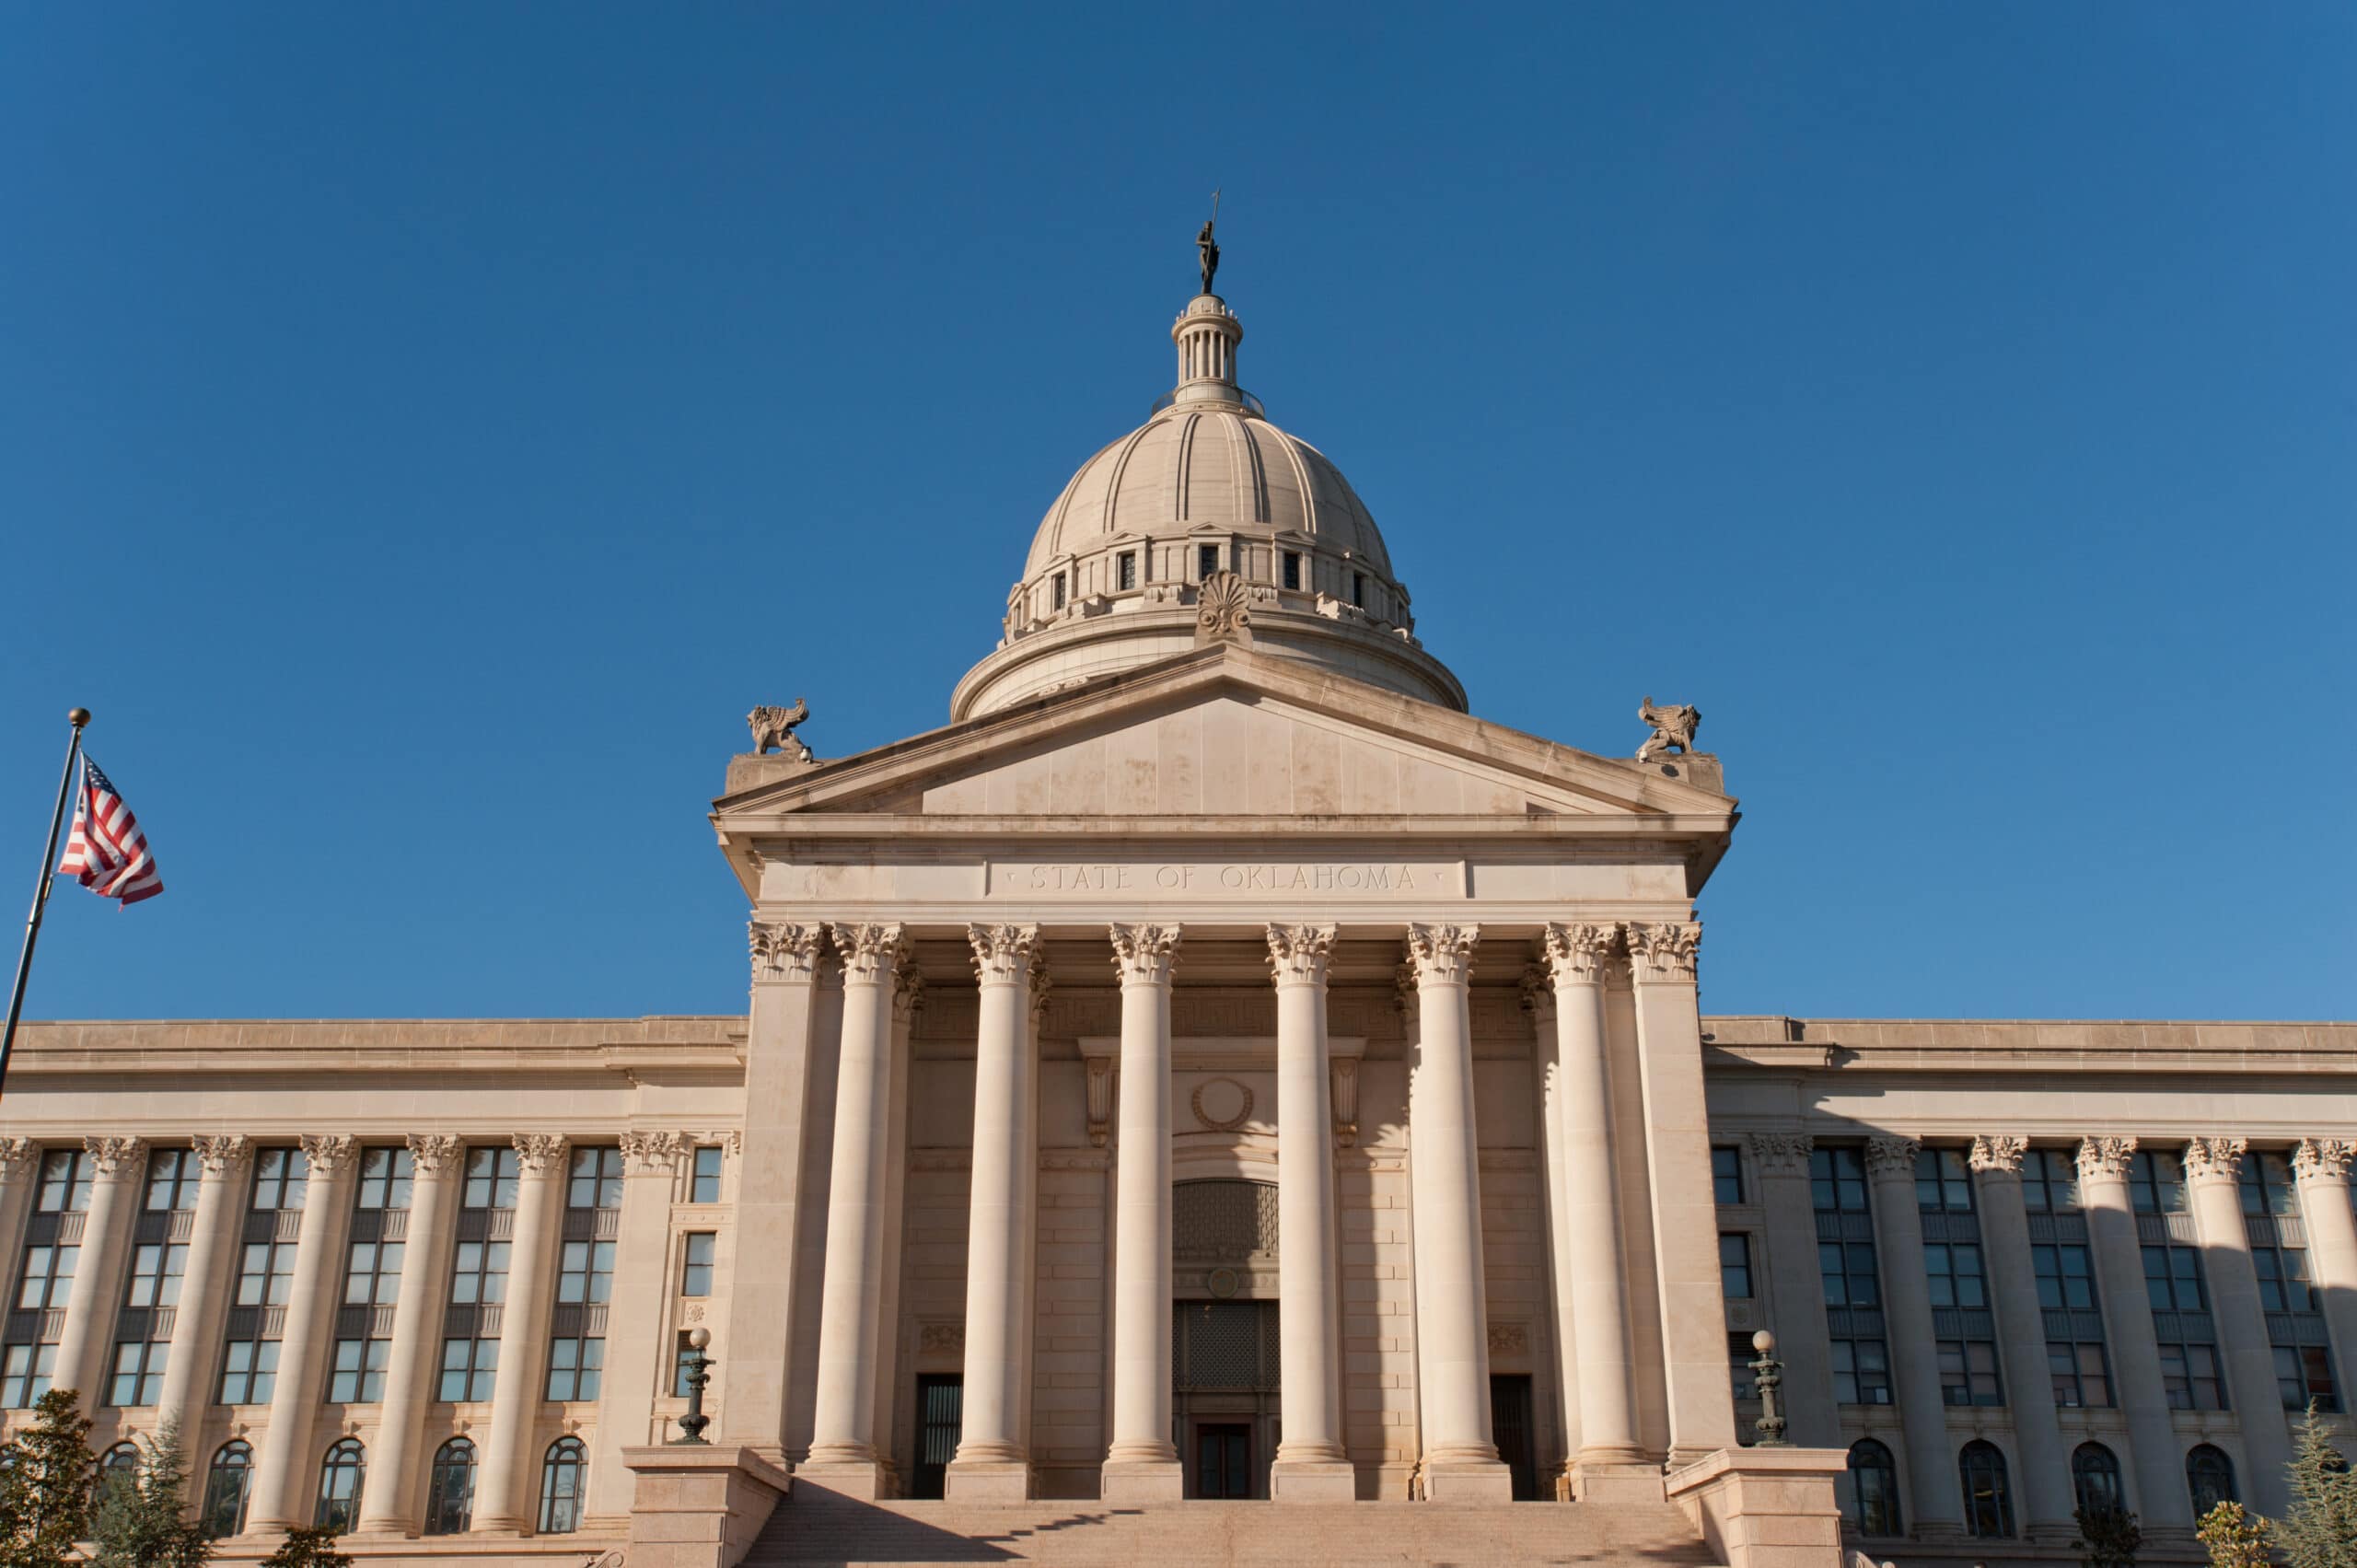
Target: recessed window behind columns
x,y
339,1480
450,1495
225,1482
1988,1498
2094,1478
563,1476
1871,1500
2209,1476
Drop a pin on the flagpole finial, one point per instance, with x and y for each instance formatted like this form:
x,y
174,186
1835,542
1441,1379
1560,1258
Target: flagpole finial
x,y
78,717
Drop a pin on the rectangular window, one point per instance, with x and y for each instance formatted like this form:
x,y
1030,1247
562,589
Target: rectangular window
x,y
373,1275
1206,560
1837,1181
2080,1376
1056,591
385,1177
266,1274
1293,569
703,1186
490,1180
480,1274
597,1179
696,1277
470,1370
1125,570
359,1374
587,1274
1358,589
248,1371
65,1177
2065,1276
1968,1373
2172,1279
1726,1175
1942,1182
1847,1269
1740,1355
172,1177
2189,1378
1734,1263
2282,1279
280,1178
1953,1270
2156,1182
1861,1372
48,1278
2050,1182
2303,1373
138,1374
24,1374
156,1271
574,1365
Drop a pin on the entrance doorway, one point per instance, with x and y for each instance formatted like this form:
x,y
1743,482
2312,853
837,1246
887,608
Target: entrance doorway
x,y
941,1399
1222,1459
1224,1395
1510,1425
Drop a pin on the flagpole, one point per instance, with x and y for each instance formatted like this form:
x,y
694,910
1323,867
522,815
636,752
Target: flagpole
x,y
77,718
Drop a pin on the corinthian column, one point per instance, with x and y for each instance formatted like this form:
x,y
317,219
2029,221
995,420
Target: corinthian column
x,y
1611,1463
507,1467
2021,1328
2127,1334
197,1322
1796,1288
2322,1166
1907,1326
1460,1460
279,1499
1140,1466
635,1365
2212,1166
388,1486
1547,1086
992,1462
98,1281
1311,1466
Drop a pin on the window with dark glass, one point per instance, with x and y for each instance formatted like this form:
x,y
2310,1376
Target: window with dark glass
x,y
172,1178
1734,1263
695,1273
66,1179
2050,1182
2304,1377
469,1367
1125,570
1726,1174
586,1276
44,1279
225,1483
1943,1181
2156,1182
1953,1270
576,1364
1740,1355
1874,1489
2095,1479
2081,1375
1056,591
703,1184
2189,1378
372,1276
2066,1276
2279,1255
248,1371
1206,560
1968,1372
1358,589
340,1477
450,1495
1846,1267
2208,1477
1988,1504
280,1179
1293,569
562,1475
138,1373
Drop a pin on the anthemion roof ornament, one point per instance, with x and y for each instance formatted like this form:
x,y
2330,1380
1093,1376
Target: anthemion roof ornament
x,y
775,726
1672,727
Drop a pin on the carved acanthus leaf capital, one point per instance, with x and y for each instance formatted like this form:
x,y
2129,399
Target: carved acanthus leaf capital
x,y
1002,953
870,952
436,1154
1298,954
1536,991
2105,1157
1041,987
1144,955
1443,954
1582,952
17,1157
2211,1159
223,1154
329,1153
541,1153
908,995
1892,1157
1781,1153
785,950
2323,1160
1664,950
117,1156
654,1154
2000,1153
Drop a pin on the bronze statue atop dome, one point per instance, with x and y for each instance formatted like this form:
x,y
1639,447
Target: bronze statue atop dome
x,y
1208,247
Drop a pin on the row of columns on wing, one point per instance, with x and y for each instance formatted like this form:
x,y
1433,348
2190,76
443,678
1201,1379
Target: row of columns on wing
x,y
274,1279
2201,1276
1445,1209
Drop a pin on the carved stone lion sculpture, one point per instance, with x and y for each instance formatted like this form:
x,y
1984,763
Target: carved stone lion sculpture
x,y
1673,728
775,726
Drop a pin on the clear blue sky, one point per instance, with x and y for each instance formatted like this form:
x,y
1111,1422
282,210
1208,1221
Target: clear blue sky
x,y
425,430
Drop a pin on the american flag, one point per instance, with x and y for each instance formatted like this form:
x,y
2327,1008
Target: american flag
x,y
106,852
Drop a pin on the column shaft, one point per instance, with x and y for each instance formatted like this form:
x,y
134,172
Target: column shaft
x,y
86,1338
637,1365
197,1321
1452,1310
1546,1085
283,1462
1140,1464
2322,1165
508,1468
1914,1356
991,1462
390,1501
908,998
2129,1338
2021,1330
843,1434
1796,1289
1311,1464
2212,1166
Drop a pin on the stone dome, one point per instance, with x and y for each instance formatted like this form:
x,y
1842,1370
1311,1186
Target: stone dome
x,y
1207,487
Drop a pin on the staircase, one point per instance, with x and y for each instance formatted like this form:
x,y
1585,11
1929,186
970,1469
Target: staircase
x,y
817,1526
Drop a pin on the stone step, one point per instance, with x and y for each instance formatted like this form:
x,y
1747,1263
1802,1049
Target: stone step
x,y
820,1526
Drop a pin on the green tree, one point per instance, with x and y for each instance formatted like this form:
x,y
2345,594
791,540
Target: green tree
x,y
2321,1529
2108,1538
139,1522
308,1548
45,1485
2236,1538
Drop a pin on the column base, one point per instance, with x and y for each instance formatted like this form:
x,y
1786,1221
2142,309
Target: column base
x,y
1467,1481
864,1478
987,1480
1314,1481
1128,1482
1616,1481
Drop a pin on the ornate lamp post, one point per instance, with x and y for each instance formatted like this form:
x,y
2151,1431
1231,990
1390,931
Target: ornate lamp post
x,y
1768,1373
692,1425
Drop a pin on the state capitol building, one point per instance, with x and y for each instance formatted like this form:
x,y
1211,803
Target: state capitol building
x,y
1215,1101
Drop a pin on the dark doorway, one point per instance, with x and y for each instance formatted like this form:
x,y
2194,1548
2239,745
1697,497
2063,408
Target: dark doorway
x,y
1510,1424
1224,1460
940,1400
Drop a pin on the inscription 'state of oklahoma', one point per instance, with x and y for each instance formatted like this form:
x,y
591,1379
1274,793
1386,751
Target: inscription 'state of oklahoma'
x,y
1224,878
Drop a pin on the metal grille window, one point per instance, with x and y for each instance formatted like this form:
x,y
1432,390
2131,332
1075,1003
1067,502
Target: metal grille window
x,y
280,1179
1846,1266
359,1376
575,1365
695,1273
1057,592
1206,560
1293,569
2189,1378
470,1369
1224,1344
2209,1476
1125,570
2094,1478
65,1177
172,1178
1224,1221
1968,1373
138,1373
703,1182
248,1371
1726,1175
1734,1263
2050,1182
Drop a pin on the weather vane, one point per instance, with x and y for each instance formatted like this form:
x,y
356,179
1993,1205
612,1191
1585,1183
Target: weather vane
x,y
1208,246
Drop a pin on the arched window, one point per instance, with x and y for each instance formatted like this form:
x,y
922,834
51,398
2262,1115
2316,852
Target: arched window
x,y
2094,1477
340,1476
1988,1502
119,1466
224,1489
561,1482
451,1499
1873,1485
2210,1476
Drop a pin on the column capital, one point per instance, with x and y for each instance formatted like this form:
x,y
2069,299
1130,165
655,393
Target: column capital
x,y
1581,953
436,1154
2323,1160
1781,1153
17,1157
1002,953
783,951
1443,954
116,1157
1538,995
1663,951
223,1154
1892,1158
908,993
1041,986
2105,1157
1298,954
329,1153
1999,1154
2209,1159
541,1153
869,951
654,1154
1144,955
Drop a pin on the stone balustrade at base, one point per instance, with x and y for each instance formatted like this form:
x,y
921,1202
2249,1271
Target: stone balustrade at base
x,y
699,1507
1765,1507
